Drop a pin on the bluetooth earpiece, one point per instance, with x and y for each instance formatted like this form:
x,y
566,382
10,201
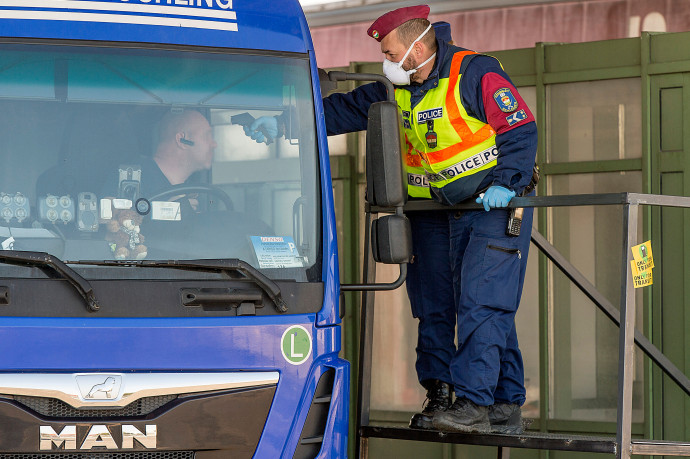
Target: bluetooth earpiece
x,y
186,142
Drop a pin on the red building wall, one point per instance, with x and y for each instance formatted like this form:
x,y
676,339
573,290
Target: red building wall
x,y
518,27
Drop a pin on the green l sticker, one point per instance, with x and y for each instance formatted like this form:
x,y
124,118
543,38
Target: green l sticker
x,y
296,345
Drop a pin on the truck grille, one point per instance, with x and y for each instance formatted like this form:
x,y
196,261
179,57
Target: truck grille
x,y
54,408
128,455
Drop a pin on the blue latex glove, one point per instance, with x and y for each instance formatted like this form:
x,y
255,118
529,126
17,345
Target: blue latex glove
x,y
495,196
264,129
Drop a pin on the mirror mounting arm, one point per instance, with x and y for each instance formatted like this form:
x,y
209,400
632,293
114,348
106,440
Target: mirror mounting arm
x,y
344,76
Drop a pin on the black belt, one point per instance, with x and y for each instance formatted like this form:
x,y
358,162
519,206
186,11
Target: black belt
x,y
533,182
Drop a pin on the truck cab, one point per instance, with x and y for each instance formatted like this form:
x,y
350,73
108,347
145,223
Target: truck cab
x,y
163,308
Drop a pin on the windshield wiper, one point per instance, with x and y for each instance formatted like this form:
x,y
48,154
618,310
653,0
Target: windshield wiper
x,y
46,260
223,265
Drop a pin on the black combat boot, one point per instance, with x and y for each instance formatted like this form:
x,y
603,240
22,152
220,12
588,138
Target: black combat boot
x,y
437,399
506,418
463,416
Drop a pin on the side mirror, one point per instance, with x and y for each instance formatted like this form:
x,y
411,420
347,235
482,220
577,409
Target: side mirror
x,y
391,239
386,186
390,236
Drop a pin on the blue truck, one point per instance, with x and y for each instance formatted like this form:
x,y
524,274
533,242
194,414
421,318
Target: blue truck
x,y
150,310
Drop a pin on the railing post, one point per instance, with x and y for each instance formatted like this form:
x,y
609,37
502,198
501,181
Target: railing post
x,y
366,338
626,343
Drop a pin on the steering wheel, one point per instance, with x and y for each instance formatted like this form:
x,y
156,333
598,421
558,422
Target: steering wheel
x,y
187,189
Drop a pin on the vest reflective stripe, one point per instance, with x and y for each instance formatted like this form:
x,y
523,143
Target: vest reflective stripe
x,y
417,183
466,166
413,160
468,138
459,137
434,157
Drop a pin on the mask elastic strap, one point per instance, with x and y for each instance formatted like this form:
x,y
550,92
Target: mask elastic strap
x,y
410,48
425,62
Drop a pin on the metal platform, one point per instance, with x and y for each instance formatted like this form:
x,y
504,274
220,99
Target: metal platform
x,y
529,440
622,445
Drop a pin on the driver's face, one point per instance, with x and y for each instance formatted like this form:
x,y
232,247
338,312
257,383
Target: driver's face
x,y
200,132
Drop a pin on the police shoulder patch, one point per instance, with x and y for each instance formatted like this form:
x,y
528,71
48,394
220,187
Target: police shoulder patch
x,y
505,100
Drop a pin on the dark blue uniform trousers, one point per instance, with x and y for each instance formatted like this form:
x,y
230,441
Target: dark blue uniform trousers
x,y
488,274
430,289
465,266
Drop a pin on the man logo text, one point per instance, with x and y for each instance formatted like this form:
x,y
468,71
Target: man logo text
x,y
98,436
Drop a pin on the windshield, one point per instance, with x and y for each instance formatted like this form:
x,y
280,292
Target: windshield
x,y
140,154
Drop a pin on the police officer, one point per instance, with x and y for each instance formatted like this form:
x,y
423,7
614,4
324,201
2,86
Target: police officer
x,y
469,135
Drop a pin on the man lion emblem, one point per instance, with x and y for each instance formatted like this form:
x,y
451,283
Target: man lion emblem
x,y
106,387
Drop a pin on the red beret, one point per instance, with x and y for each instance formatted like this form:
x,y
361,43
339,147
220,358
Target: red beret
x,y
391,20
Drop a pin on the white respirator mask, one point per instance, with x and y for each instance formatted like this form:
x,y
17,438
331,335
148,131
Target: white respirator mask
x,y
394,70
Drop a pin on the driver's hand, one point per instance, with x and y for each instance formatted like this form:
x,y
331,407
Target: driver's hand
x,y
194,201
263,130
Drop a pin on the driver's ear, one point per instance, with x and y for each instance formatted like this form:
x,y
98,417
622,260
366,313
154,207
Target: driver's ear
x,y
182,140
178,139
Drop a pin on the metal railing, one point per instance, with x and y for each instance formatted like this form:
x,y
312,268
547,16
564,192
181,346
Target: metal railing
x,y
623,445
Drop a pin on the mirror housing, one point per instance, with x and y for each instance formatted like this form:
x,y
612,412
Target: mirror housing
x,y
386,186
391,239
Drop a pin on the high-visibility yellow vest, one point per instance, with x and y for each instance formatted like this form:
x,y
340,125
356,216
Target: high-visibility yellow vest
x,y
444,143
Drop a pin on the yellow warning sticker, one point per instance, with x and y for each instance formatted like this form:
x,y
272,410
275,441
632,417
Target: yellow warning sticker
x,y
642,256
641,279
